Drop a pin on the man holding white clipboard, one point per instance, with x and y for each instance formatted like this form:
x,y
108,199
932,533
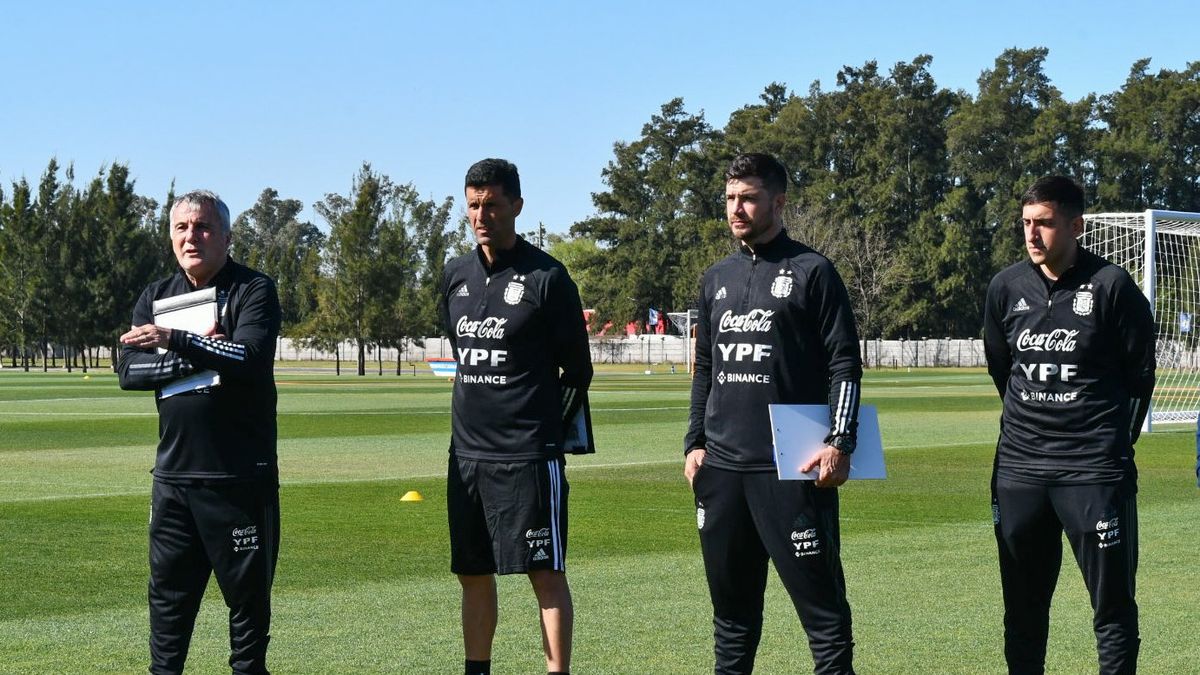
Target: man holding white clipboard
x,y
775,326
203,340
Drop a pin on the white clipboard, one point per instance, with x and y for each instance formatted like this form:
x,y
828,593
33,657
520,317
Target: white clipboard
x,y
195,312
799,431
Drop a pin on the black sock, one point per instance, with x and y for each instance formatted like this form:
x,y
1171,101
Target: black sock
x,y
477,667
559,672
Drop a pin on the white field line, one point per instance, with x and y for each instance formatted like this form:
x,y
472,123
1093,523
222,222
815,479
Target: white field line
x,y
61,483
447,412
71,399
980,524
59,498
285,483
984,521
42,413
314,413
374,479
329,481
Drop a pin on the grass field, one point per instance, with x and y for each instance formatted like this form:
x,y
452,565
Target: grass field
x,y
363,583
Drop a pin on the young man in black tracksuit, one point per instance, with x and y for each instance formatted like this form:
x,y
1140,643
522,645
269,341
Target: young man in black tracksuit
x,y
775,326
1069,340
215,500
516,326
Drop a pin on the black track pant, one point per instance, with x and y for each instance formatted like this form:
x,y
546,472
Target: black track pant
x,y
746,518
1101,525
196,530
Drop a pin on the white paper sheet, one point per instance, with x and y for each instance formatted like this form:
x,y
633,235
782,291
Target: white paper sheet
x,y
799,433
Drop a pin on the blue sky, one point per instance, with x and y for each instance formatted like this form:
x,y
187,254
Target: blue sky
x,y
237,97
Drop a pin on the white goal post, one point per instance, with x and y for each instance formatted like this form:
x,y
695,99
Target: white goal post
x,y
683,322
1161,251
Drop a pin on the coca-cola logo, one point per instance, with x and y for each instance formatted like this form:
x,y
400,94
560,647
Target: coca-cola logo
x,y
810,533
491,327
1057,340
754,321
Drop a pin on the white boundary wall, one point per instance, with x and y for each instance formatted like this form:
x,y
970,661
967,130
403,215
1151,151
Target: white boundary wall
x,y
671,349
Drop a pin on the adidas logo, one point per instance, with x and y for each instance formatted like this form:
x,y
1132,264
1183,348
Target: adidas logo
x,y
463,292
721,294
1021,306
540,555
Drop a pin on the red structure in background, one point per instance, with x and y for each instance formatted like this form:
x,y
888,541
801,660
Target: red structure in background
x,y
631,329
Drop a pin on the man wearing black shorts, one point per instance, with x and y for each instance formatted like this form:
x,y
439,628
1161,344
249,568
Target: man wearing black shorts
x,y
775,326
1069,341
516,326
215,499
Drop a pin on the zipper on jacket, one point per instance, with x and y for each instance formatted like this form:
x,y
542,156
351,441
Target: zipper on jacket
x,y
749,283
1049,286
487,283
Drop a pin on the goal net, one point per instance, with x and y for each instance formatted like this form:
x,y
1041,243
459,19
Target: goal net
x,y
1161,251
683,322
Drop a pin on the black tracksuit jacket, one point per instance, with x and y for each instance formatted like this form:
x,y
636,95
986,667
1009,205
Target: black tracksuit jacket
x,y
775,326
1073,360
226,433
524,365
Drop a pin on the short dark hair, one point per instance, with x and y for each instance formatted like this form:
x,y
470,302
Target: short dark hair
x,y
758,165
1059,190
495,172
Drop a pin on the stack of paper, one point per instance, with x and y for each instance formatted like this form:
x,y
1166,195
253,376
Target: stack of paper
x,y
195,312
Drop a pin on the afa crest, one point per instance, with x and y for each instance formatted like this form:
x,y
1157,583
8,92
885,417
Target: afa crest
x,y
1083,300
515,290
782,286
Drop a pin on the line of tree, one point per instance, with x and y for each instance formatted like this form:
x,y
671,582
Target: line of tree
x,y
74,261
909,187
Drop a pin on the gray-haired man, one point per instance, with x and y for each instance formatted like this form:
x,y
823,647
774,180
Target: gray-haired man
x,y
215,500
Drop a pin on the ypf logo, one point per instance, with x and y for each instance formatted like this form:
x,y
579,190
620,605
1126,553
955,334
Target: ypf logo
x,y
1108,532
245,538
805,542
538,540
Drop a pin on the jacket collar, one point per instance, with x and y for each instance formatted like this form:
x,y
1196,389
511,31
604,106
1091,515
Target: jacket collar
x,y
781,240
1085,264
504,258
219,279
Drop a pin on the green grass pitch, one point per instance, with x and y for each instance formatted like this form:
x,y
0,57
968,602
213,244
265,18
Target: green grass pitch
x,y
363,583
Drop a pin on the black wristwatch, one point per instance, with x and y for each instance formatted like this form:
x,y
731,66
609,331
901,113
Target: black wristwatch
x,y
844,444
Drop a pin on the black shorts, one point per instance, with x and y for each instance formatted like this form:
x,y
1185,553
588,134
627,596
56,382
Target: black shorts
x,y
507,518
